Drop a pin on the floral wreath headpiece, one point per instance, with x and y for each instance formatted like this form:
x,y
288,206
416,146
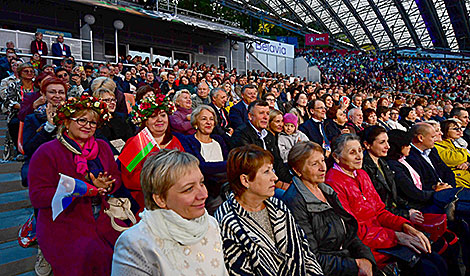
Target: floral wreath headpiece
x,y
85,101
146,108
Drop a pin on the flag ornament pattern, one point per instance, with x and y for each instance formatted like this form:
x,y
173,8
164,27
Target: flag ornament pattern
x,y
137,149
68,189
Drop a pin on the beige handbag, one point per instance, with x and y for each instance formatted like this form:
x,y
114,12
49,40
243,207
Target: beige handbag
x,y
120,208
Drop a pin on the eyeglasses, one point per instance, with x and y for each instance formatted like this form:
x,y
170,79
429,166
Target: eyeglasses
x,y
270,100
457,128
28,71
321,107
109,100
83,122
393,113
62,76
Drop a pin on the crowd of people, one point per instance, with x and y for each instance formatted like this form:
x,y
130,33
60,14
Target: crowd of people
x,y
250,174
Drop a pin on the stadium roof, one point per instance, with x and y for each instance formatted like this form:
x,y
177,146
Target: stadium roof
x,y
379,24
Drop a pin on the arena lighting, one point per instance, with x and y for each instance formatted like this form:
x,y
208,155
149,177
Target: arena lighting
x,y
118,24
89,19
235,46
250,49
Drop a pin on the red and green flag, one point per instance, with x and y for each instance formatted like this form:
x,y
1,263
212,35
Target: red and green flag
x,y
137,149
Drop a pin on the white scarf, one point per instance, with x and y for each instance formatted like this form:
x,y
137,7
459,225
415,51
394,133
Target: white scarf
x,y
175,231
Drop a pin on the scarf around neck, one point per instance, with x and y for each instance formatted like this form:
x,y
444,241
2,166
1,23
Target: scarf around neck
x,y
88,152
175,231
414,175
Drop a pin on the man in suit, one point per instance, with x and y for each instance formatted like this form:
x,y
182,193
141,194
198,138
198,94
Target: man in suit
x,y
218,101
254,132
60,49
424,158
314,127
238,115
38,46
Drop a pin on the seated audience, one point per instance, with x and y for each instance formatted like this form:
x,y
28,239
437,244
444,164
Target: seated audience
x,y
152,113
275,125
259,234
180,120
202,95
210,150
218,101
383,115
407,117
317,210
335,122
238,115
116,131
314,128
176,236
378,228
453,156
290,136
355,120
370,117
299,107
393,122
255,133
80,240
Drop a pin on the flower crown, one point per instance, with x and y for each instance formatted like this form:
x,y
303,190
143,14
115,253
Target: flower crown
x,y
73,105
147,107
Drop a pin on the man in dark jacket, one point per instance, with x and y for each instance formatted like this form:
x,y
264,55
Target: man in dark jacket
x,y
254,132
238,115
218,100
60,49
424,158
314,128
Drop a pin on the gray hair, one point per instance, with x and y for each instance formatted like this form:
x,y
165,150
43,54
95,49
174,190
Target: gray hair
x,y
198,110
351,112
178,94
339,143
103,82
214,91
432,122
161,171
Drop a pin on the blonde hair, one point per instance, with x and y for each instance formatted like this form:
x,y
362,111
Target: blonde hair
x,y
103,82
161,171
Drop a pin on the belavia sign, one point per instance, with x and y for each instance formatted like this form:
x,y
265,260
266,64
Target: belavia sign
x,y
275,48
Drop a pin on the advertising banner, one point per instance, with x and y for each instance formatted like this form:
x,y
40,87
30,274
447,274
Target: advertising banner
x,y
316,39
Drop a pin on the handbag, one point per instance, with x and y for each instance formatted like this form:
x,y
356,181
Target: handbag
x,y
119,208
434,224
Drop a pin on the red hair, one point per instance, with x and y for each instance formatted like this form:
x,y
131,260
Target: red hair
x,y
49,81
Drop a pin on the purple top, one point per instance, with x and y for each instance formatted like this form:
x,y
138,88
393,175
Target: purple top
x,y
75,243
179,122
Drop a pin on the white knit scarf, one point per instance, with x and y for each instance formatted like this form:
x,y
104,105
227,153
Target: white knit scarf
x,y
175,232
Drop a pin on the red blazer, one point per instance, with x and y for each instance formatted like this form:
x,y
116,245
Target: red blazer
x,y
358,196
132,179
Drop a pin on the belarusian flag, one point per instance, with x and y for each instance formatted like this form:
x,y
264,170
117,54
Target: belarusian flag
x,y
139,147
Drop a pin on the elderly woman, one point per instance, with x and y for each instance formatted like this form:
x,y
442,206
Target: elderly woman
x,y
454,157
317,210
39,127
393,121
109,84
176,236
335,122
378,228
276,122
260,236
116,131
80,240
152,113
180,120
15,94
210,150
407,117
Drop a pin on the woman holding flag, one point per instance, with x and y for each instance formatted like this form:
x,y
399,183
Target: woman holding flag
x,y
151,114
74,234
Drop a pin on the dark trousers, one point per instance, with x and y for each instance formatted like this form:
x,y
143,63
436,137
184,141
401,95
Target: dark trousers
x,y
429,265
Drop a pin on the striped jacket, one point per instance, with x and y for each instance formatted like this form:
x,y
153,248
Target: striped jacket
x,y
249,250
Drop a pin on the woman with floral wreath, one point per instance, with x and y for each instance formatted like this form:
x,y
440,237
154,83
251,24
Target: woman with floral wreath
x,y
80,240
153,113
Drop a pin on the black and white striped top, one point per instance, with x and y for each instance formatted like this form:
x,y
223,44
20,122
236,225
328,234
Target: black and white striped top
x,y
249,250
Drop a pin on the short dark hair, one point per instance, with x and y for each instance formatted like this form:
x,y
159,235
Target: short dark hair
x,y
245,160
397,139
248,86
311,104
257,103
369,134
88,67
381,110
332,111
455,112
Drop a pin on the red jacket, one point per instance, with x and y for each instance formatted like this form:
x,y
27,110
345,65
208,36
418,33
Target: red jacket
x,y
358,196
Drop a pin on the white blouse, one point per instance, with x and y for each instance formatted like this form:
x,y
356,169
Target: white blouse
x,y
212,152
138,252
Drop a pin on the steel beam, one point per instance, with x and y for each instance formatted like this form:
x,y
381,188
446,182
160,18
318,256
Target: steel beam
x,y
359,20
383,22
408,24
